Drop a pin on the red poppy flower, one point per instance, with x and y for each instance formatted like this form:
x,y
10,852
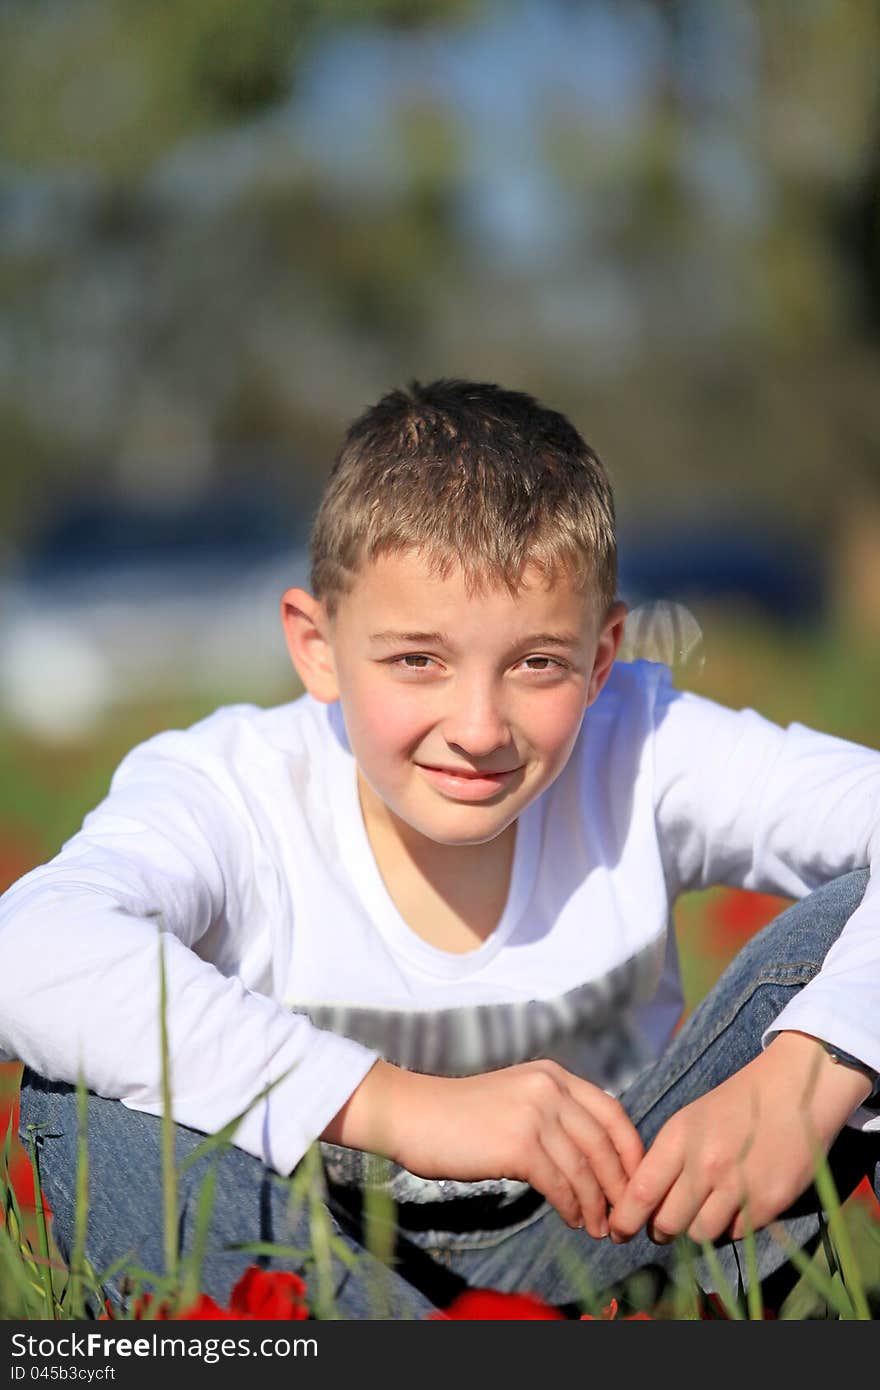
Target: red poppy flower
x,y
609,1314
712,1308
737,914
269,1293
486,1305
19,852
864,1195
21,1174
274,1294
203,1309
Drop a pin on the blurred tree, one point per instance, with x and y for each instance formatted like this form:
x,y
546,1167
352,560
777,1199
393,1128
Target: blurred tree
x,y
632,208
109,85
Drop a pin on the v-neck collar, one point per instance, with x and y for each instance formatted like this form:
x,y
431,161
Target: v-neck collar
x,y
364,871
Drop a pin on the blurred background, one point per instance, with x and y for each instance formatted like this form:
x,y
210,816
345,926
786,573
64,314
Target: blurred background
x,y
227,228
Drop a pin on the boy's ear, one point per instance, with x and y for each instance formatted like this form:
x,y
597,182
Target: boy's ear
x,y
610,639
306,630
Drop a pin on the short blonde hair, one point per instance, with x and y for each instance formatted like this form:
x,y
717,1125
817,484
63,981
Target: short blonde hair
x,y
470,473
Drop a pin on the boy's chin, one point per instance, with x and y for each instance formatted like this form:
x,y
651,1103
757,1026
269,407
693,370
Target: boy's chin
x,y
460,829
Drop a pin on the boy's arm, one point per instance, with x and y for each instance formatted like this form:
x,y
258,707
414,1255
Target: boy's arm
x,y
79,970
534,1122
740,1155
741,801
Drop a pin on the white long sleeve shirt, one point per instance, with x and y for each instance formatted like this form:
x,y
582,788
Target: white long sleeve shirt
x,y
241,843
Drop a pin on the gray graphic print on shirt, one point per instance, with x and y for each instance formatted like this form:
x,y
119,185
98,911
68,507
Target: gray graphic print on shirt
x,y
588,1030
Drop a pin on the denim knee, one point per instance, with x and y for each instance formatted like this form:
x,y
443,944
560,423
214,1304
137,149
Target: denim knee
x,y
724,1032
802,935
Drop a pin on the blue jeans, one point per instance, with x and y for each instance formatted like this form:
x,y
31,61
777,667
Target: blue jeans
x,y
546,1258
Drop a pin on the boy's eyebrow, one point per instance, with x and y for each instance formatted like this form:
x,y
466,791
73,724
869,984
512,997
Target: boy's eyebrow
x,y
543,639
390,635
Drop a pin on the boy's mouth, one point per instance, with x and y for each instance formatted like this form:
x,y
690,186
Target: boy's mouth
x,y
465,782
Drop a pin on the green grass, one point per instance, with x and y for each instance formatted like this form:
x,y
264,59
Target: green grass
x,y
841,1282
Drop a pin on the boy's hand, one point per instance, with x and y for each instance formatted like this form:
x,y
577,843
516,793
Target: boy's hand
x,y
535,1122
741,1154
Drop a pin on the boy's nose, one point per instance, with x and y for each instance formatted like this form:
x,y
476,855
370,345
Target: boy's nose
x,y
477,726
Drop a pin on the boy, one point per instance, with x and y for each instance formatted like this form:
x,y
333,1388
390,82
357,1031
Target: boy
x,y
433,895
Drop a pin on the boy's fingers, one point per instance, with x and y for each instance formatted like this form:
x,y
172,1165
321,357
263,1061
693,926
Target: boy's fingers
x,y
611,1114
715,1216
628,1143
579,1172
596,1145
550,1180
645,1191
678,1210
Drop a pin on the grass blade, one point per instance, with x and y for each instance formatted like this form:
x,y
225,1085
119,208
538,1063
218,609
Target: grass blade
x,y
587,1297
76,1281
320,1234
169,1173
7,1145
687,1300
836,1296
307,1188
379,1211
192,1274
15,1266
271,1248
838,1233
754,1301
725,1292
42,1233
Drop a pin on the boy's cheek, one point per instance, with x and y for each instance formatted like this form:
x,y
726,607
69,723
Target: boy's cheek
x,y
559,742
387,732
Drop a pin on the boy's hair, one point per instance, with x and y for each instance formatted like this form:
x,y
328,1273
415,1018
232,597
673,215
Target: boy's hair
x,y
465,471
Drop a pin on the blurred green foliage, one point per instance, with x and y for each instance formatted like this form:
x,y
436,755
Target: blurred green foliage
x,y
108,85
191,270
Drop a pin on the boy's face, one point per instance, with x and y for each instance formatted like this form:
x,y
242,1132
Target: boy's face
x,y
430,679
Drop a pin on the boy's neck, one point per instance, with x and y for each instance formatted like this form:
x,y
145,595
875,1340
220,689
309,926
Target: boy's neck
x,y
452,896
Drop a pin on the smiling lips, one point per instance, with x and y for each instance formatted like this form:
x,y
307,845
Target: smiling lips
x,y
467,785
466,772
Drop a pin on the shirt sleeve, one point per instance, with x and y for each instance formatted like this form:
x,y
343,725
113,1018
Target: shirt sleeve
x,y
742,801
163,858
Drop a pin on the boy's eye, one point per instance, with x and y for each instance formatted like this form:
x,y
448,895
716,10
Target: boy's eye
x,y
413,656
419,662
545,663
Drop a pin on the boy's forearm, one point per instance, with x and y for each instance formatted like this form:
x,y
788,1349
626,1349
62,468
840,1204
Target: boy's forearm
x,y
373,1117
533,1122
833,1091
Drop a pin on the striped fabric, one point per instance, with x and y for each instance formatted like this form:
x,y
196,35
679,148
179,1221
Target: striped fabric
x,y
585,1030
